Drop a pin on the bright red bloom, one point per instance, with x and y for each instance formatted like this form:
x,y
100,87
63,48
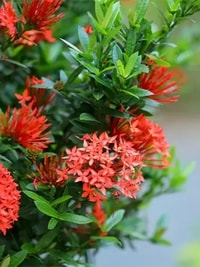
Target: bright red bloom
x,y
40,97
9,200
88,29
146,137
47,171
8,19
101,163
41,13
161,82
26,126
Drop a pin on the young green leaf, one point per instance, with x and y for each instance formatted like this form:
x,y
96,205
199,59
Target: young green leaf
x,y
46,208
74,218
17,258
113,220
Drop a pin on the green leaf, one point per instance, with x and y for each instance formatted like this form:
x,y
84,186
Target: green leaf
x,y
2,248
63,76
87,117
46,240
34,196
130,42
5,262
74,218
107,39
52,223
113,220
17,258
111,239
74,75
111,14
83,38
116,53
140,10
46,208
71,45
98,11
131,64
120,68
60,200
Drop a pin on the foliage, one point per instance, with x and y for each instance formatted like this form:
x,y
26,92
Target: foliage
x,y
76,131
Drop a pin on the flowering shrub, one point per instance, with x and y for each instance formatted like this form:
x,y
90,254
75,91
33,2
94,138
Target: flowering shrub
x,y
80,152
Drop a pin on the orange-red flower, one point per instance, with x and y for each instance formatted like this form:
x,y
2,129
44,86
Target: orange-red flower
x,y
40,97
101,164
9,200
161,82
41,13
47,171
88,29
26,126
8,19
146,137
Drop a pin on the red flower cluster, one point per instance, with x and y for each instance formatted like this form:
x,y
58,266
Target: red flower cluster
x,y
26,126
103,163
145,136
9,200
160,80
8,19
38,15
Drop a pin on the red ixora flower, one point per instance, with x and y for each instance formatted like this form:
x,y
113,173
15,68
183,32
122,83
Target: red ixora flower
x,y
8,19
26,126
161,82
9,200
146,137
47,171
41,13
40,97
102,164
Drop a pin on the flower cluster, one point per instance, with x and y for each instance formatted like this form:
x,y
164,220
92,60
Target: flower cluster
x,y
35,20
9,200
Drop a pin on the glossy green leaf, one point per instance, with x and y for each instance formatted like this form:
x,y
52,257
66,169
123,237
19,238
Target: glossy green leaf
x,y
60,200
34,196
131,64
131,40
140,10
46,240
46,208
83,38
5,262
113,220
98,11
87,117
17,258
52,223
74,218
110,239
120,68
111,14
